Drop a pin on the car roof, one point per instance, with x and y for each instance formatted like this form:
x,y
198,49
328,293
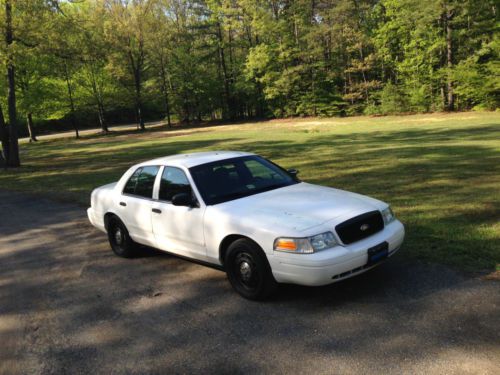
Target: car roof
x,y
195,158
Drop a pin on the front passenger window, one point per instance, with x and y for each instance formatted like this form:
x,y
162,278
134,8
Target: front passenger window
x,y
173,181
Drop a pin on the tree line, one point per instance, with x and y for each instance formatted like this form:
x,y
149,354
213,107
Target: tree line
x,y
85,62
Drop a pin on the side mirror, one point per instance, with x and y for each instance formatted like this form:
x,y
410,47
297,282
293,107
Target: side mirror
x,y
183,199
294,172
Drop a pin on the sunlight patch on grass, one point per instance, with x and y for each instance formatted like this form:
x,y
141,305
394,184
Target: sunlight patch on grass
x,y
440,172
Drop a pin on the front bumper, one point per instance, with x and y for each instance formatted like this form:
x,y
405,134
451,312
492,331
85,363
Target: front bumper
x,y
338,263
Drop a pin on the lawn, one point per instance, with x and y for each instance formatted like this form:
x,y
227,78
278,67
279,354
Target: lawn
x,y
440,172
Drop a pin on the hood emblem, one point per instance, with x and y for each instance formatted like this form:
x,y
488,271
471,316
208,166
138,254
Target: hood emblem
x,y
364,227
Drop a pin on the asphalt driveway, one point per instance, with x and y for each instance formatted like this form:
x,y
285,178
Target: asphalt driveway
x,y
68,305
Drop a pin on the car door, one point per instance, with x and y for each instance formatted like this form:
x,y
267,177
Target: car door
x,y
135,204
177,229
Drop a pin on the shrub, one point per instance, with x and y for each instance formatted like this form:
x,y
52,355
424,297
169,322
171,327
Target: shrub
x,y
392,100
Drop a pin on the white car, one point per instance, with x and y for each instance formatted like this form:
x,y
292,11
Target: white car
x,y
242,213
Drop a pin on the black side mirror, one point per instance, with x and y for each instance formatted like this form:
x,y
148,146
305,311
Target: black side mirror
x,y
183,199
294,172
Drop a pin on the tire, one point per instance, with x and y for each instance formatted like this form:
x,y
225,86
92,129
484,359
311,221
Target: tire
x,y
119,239
248,270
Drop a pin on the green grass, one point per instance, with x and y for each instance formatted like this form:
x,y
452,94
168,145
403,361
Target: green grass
x,y
439,172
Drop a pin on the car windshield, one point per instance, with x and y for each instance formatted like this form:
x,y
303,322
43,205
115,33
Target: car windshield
x,y
235,178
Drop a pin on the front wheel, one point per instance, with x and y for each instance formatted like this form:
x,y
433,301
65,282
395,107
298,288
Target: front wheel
x,y
119,239
248,270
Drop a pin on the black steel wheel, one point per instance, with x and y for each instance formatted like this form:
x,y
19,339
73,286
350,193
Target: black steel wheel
x,y
248,270
119,239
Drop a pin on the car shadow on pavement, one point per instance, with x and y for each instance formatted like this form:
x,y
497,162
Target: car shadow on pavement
x,y
68,305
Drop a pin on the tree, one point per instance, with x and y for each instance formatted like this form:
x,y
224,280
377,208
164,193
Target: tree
x,y
103,61
160,45
125,31
13,153
24,25
4,140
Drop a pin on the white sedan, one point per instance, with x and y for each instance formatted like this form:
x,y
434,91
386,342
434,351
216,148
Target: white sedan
x,y
242,213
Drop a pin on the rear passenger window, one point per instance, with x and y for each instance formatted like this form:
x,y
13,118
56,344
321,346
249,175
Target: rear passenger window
x,y
141,182
132,181
173,181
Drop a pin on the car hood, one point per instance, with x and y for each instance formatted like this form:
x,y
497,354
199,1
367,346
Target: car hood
x,y
299,207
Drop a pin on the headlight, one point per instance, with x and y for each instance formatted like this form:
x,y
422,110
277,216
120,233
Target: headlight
x,y
388,216
323,241
306,245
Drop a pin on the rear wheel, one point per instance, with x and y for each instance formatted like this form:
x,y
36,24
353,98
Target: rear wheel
x,y
248,270
119,239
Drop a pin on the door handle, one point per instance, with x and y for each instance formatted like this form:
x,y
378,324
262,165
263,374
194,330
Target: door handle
x,y
156,210
123,204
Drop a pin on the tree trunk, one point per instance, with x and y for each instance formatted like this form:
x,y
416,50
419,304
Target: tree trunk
x,y
138,99
96,91
362,59
233,99
136,67
165,92
260,101
13,153
186,115
4,139
443,97
102,120
140,120
31,129
222,64
71,102
449,59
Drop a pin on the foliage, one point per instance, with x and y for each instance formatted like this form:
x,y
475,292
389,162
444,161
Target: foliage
x,y
392,99
228,59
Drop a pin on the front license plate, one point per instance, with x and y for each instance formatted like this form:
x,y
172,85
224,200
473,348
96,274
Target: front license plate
x,y
378,253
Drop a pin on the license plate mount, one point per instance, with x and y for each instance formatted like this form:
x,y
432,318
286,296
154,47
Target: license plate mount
x,y
378,253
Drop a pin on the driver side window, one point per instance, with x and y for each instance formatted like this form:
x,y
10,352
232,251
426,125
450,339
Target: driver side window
x,y
173,181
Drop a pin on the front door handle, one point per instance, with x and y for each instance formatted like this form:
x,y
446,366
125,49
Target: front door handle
x,y
123,204
156,210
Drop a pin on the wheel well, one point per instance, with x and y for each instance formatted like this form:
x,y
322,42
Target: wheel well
x,y
226,242
107,217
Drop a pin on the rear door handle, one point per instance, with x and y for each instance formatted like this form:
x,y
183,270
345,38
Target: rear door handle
x,y
156,210
123,204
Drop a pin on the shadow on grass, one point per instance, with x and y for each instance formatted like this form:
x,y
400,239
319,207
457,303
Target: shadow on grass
x,y
73,176
442,183
447,194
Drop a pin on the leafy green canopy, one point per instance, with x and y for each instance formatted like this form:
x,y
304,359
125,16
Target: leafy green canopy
x,y
110,61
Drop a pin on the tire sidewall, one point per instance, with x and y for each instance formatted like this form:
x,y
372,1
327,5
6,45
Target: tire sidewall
x,y
127,247
265,283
